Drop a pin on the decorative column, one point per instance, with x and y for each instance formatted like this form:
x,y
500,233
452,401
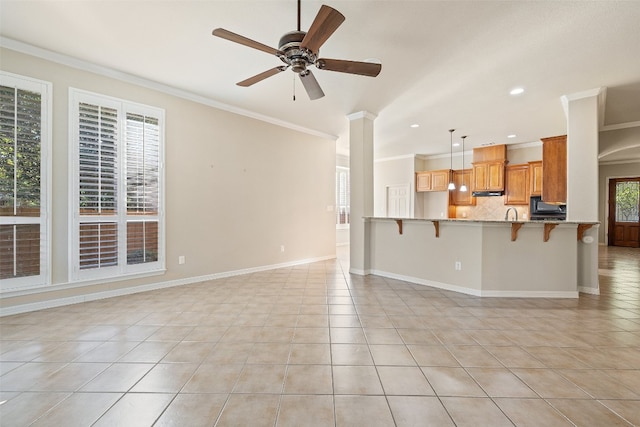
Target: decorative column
x,y
361,181
585,111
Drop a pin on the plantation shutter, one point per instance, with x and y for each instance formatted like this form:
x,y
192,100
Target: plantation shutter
x,y
117,181
23,216
143,163
98,186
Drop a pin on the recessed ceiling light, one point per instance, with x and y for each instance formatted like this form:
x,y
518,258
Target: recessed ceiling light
x,y
456,144
415,125
516,91
513,135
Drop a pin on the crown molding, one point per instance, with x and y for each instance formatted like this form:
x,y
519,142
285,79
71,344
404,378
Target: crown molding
x,y
388,159
361,115
620,126
600,92
83,65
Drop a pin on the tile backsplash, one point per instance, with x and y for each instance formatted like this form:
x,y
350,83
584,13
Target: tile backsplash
x,y
490,208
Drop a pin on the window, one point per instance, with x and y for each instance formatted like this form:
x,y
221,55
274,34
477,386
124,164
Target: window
x,y
25,143
117,181
342,196
628,200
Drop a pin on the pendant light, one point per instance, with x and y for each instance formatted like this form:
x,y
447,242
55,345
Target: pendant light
x,y
452,185
463,187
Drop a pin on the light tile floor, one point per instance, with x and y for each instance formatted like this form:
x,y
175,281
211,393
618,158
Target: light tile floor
x,y
313,346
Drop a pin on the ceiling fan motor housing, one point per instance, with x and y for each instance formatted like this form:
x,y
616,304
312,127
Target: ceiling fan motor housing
x,y
295,56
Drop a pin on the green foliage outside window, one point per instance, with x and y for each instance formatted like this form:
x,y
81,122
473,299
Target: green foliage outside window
x,y
627,201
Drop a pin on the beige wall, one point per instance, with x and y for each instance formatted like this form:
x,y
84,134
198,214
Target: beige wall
x,y
620,170
386,172
236,188
491,263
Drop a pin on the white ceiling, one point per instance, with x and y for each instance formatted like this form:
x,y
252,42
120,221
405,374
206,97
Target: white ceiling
x,y
446,64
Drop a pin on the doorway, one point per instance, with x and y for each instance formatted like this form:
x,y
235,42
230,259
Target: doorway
x,y
398,201
624,210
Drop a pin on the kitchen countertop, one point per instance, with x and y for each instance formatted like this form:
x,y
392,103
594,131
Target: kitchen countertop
x,y
525,221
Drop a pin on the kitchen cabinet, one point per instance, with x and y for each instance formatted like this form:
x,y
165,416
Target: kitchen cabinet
x,y
437,180
488,168
516,185
554,169
462,198
535,178
488,176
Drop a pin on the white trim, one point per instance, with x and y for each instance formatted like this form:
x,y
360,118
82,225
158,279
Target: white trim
x,y
139,81
619,126
361,115
619,162
389,159
600,92
588,290
510,147
45,89
34,290
478,292
520,145
123,108
58,302
359,272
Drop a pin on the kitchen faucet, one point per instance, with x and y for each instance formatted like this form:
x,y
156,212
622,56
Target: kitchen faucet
x,y
506,216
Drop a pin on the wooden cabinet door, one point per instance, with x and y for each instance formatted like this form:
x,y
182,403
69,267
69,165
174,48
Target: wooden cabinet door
x,y
554,169
495,176
423,181
535,178
480,177
516,185
462,198
440,180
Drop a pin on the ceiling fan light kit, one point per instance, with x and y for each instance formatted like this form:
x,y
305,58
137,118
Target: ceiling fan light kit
x,y
299,50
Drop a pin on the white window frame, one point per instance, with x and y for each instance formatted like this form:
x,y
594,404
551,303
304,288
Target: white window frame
x,y
44,220
342,169
122,270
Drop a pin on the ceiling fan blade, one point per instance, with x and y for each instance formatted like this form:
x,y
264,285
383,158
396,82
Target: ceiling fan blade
x,y
237,38
311,85
259,77
352,67
326,22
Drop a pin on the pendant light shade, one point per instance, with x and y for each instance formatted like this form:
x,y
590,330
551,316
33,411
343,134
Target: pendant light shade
x,y
463,187
452,185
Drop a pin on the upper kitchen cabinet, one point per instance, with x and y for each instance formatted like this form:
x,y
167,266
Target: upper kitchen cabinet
x,y
554,169
461,198
516,185
535,178
488,168
437,180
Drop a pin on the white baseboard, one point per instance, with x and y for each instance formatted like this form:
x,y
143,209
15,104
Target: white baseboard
x,y
588,290
478,292
59,302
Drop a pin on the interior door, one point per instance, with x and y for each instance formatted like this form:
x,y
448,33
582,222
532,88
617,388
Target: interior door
x,y
398,202
624,209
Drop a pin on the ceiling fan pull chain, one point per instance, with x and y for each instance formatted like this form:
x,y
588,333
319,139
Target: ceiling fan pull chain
x,y
294,87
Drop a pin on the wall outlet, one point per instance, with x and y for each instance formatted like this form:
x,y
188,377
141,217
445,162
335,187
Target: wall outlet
x,y
281,248
458,266
182,259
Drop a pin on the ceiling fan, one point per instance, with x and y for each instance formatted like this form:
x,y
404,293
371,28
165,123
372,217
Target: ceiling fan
x,y
299,50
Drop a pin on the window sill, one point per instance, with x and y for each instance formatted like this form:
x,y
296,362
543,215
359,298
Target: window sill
x,y
17,292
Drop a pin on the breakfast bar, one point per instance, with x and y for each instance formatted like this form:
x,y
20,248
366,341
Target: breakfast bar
x,y
483,258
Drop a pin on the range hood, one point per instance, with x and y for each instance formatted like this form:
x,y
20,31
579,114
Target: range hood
x,y
487,193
